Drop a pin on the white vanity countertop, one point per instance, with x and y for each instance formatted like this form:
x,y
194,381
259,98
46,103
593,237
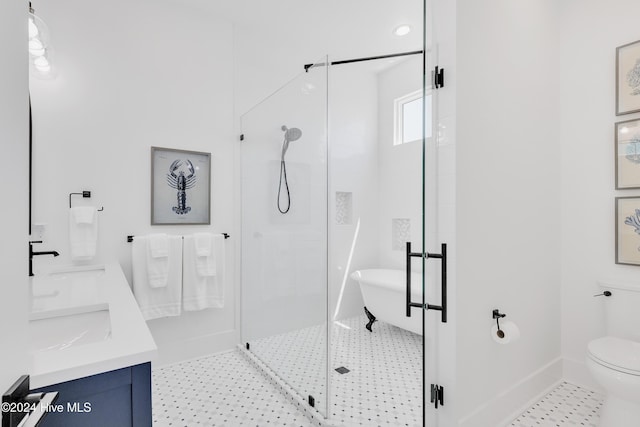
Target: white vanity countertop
x,y
77,290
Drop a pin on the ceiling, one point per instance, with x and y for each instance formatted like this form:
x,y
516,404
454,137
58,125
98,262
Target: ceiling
x,y
347,28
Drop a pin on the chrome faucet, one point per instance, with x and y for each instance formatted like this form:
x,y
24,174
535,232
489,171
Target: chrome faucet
x,y
32,254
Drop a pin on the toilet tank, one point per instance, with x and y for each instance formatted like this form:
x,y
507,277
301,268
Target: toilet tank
x,y
622,309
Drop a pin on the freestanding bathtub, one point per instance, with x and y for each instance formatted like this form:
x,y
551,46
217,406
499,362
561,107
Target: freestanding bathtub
x,y
384,295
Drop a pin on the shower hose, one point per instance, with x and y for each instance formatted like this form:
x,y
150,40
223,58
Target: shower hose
x,y
283,173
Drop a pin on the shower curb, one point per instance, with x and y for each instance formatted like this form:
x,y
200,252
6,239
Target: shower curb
x,y
316,418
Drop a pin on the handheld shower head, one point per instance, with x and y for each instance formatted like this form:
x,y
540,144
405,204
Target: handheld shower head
x,y
292,134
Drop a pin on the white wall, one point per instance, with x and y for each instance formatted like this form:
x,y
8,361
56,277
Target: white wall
x,y
132,76
14,148
508,204
591,32
400,166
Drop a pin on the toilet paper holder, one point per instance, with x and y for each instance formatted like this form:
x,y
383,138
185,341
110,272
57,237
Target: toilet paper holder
x,y
497,315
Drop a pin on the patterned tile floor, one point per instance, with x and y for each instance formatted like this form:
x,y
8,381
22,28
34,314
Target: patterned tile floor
x,y
566,405
219,390
382,387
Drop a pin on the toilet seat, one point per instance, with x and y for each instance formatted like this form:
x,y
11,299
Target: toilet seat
x,y
616,353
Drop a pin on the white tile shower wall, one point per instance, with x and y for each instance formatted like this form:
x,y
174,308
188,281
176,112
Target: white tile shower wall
x,y
400,233
400,166
508,198
353,168
14,118
320,29
116,95
284,256
586,135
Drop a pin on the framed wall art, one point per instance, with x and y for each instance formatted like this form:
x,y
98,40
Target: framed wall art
x,y
628,230
180,187
627,154
628,78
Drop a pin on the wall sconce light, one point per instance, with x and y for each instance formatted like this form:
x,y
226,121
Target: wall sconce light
x,y
40,52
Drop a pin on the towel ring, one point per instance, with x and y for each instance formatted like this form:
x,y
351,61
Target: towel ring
x,y
84,194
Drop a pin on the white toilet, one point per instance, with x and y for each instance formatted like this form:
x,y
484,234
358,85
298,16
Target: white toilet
x,y
614,360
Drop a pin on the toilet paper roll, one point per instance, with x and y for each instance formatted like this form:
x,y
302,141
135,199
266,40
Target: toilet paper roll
x,y
509,332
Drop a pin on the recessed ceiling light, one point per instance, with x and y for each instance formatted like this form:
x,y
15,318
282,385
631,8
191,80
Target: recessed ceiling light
x,y
402,30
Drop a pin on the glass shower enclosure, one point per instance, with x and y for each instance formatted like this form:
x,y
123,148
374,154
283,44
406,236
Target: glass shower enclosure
x,y
336,181
284,234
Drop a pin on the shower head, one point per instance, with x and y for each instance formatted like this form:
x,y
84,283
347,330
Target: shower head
x,y
290,135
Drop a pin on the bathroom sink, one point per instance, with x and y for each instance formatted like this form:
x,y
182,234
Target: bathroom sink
x,y
77,273
62,329
69,287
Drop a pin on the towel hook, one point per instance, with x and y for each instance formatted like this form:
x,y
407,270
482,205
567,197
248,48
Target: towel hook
x,y
497,315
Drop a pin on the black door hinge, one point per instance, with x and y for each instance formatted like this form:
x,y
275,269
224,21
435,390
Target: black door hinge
x,y
242,137
438,77
437,395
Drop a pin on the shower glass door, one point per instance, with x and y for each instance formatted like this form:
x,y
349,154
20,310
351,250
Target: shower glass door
x,y
284,234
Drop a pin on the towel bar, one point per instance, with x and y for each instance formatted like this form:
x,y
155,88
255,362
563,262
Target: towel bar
x,y
130,238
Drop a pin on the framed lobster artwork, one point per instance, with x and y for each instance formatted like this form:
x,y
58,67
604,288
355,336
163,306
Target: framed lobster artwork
x,y
180,187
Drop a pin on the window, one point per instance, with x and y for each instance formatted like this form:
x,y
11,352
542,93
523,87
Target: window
x,y
407,122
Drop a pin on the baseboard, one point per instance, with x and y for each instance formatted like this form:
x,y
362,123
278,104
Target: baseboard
x,y
576,372
194,348
502,409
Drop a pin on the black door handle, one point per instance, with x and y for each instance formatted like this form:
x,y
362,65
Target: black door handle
x,y
442,256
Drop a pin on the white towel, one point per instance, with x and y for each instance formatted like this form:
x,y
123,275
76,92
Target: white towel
x,y
83,214
157,260
158,245
203,243
202,292
157,302
205,254
83,232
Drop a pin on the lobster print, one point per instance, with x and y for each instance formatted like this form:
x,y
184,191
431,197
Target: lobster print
x,y
182,183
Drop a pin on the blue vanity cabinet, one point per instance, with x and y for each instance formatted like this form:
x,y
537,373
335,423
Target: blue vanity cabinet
x,y
119,398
